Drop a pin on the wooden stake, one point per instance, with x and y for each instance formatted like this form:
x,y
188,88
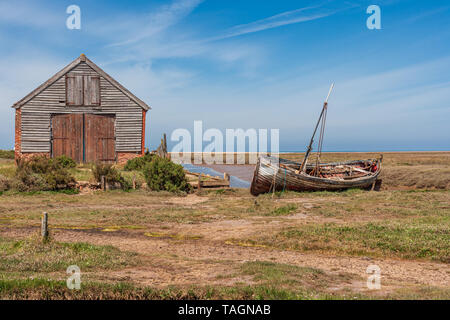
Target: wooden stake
x,y
199,186
103,183
227,178
44,227
274,182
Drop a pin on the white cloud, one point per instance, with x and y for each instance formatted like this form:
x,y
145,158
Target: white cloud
x,y
141,27
281,19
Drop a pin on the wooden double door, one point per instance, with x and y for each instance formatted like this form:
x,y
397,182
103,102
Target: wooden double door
x,y
84,137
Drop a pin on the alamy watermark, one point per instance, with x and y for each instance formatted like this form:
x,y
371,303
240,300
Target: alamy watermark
x,y
374,20
221,148
74,20
74,280
374,280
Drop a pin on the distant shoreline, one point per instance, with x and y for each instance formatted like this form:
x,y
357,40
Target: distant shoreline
x,y
313,151
409,151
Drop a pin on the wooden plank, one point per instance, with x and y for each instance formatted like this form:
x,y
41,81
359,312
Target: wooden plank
x,y
99,138
67,136
91,90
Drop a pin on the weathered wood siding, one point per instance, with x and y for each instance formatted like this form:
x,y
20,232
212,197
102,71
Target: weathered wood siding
x,y
36,114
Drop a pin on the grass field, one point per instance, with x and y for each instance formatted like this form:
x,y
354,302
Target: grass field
x,y
227,244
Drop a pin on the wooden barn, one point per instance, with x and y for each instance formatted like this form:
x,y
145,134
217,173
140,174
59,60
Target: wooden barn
x,y
83,113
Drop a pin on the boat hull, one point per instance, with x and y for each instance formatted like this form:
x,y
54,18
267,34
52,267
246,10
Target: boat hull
x,y
272,175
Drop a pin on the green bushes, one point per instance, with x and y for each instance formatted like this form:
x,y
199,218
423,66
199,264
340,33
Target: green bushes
x,y
7,154
5,183
65,162
111,174
42,174
163,175
139,163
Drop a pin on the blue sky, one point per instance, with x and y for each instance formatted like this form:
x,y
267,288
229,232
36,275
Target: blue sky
x,y
250,64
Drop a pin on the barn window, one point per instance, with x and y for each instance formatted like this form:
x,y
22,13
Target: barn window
x,y
74,90
92,90
82,90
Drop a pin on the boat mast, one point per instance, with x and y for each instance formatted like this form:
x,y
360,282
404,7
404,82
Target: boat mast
x,y
308,151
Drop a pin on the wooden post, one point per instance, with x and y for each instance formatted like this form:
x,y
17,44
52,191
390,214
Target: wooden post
x,y
103,183
199,185
226,177
165,146
376,185
274,182
44,227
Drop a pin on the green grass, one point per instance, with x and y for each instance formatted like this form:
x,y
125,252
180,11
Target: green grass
x,y
6,154
44,289
34,256
290,276
424,238
7,168
81,174
50,289
282,211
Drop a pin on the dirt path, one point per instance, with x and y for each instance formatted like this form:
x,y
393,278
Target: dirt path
x,y
170,261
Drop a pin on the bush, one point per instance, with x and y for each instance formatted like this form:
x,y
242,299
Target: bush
x,y
7,154
42,174
163,175
5,184
111,174
139,163
65,162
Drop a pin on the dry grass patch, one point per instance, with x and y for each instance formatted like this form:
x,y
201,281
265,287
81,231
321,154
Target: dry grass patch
x,y
424,238
32,255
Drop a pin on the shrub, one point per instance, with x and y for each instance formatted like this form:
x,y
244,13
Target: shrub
x,y
5,184
139,162
111,174
163,175
7,154
65,161
42,174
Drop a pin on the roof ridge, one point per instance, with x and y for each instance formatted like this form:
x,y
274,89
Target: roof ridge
x,y
82,58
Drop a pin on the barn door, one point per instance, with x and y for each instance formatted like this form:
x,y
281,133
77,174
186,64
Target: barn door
x,y
67,134
99,138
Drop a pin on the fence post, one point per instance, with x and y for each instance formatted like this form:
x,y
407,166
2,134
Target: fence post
x,y
44,227
103,183
199,187
226,177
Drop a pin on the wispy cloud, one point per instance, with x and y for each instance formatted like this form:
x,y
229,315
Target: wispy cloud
x,y
285,18
426,14
156,22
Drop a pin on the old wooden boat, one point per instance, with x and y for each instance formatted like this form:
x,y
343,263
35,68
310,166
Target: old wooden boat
x,y
276,174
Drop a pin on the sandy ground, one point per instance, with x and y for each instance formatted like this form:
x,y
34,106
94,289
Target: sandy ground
x,y
207,256
205,260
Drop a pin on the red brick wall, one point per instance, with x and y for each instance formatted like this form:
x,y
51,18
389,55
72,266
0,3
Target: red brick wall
x,y
29,155
18,134
123,157
144,112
